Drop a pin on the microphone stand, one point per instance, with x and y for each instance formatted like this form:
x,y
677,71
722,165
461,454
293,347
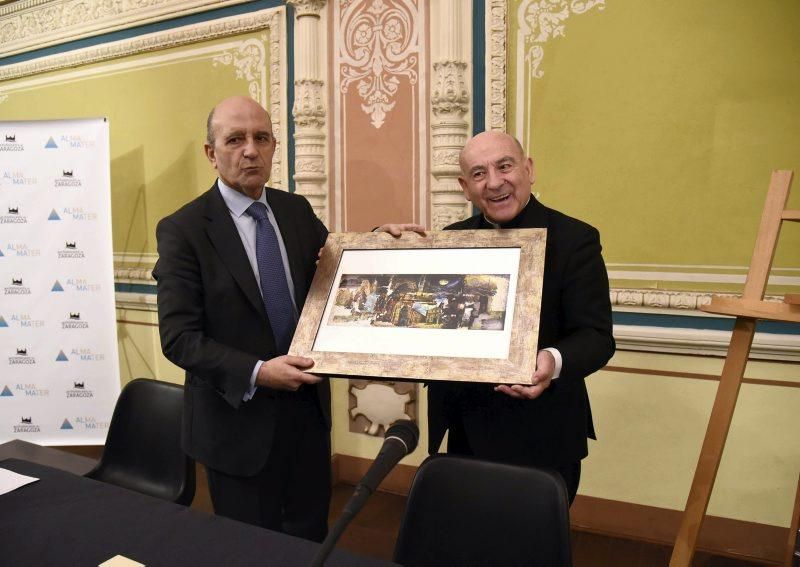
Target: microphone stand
x,y
359,497
400,440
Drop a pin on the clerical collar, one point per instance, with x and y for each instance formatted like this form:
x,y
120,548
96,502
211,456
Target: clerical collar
x,y
513,223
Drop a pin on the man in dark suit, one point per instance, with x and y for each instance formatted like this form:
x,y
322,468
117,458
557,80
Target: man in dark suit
x,y
546,423
233,271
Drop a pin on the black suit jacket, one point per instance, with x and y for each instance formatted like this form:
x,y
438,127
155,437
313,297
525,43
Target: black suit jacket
x,y
576,319
213,324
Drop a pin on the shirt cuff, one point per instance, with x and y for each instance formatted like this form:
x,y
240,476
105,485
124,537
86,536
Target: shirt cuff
x,y
557,356
248,395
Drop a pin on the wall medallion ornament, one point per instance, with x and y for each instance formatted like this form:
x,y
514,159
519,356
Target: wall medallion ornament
x,y
379,45
375,406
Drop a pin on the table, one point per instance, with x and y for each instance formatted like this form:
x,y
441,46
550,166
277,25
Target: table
x,y
56,458
69,520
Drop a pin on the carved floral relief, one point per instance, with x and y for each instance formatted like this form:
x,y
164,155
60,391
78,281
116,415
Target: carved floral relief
x,y
379,45
542,20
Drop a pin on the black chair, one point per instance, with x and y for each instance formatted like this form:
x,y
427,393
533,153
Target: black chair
x,y
467,512
143,447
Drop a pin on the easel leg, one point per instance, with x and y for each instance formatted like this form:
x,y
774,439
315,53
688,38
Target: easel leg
x,y
717,432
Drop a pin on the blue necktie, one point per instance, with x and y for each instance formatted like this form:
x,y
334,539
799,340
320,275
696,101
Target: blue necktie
x,y
274,287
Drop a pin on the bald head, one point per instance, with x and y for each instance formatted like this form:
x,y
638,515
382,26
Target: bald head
x,y
228,103
489,137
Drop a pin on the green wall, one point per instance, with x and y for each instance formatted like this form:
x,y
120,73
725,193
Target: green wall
x,y
660,122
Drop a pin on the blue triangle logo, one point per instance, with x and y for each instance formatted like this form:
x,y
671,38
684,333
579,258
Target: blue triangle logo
x,y
51,143
3,322
53,215
57,286
61,357
1,254
6,392
66,424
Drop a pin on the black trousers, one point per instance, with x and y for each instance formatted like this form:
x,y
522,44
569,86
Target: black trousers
x,y
458,444
291,494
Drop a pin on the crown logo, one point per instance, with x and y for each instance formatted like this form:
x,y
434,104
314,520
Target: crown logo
x,y
11,138
70,245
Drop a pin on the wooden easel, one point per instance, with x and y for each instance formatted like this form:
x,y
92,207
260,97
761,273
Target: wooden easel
x,y
747,311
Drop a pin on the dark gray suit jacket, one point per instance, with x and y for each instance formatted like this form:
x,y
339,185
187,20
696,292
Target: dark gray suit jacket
x,y
213,324
576,319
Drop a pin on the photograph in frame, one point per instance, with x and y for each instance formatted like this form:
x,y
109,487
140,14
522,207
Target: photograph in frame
x,y
453,305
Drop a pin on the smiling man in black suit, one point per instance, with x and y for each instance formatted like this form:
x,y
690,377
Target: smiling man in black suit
x,y
233,271
546,423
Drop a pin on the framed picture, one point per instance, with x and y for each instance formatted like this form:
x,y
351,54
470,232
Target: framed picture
x,y
453,305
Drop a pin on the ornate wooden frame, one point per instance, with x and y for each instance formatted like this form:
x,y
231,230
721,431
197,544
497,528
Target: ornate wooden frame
x,y
520,364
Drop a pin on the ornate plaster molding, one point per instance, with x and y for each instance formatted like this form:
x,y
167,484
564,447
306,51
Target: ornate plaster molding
x,y
379,45
766,346
451,98
310,110
496,64
277,91
687,300
247,59
135,301
135,275
151,42
34,24
541,20
448,135
449,94
657,299
134,268
307,7
309,106
538,21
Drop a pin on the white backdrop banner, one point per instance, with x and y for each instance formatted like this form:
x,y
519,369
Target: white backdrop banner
x,y
58,339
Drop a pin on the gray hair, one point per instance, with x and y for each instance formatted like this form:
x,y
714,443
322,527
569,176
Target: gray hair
x,y
209,127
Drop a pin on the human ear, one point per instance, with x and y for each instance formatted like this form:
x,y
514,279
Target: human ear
x,y
209,151
464,188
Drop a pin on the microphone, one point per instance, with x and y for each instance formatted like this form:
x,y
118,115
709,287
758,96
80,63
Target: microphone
x,y
400,440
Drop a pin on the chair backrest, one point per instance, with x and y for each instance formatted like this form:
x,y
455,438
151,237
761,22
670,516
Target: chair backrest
x,y
463,511
143,447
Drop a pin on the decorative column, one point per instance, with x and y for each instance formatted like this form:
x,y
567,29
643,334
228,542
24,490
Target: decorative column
x,y
450,102
309,110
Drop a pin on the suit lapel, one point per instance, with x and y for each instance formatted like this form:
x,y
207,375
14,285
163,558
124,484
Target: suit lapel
x,y
226,240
